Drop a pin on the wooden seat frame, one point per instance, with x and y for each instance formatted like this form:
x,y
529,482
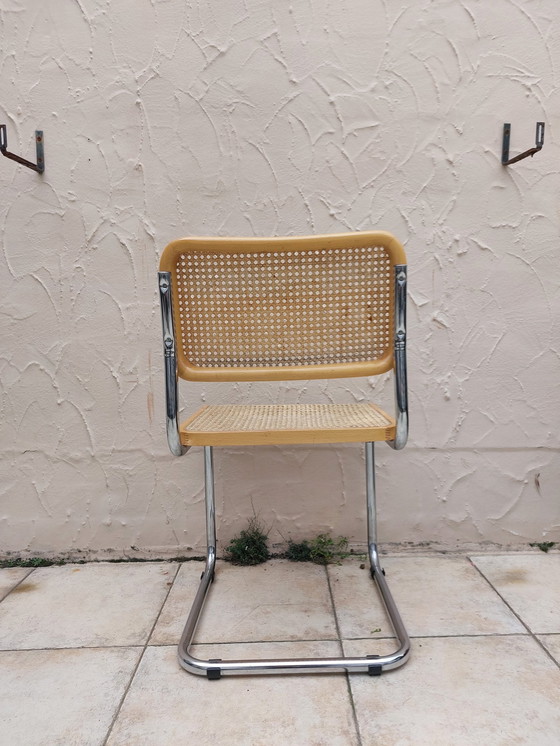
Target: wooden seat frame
x,y
175,296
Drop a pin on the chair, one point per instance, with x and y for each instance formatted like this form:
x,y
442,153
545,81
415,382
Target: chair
x,y
254,309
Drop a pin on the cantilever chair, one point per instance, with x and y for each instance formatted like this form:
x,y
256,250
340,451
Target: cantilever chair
x,y
254,309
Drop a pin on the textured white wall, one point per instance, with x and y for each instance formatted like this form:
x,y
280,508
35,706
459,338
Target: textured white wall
x,y
165,118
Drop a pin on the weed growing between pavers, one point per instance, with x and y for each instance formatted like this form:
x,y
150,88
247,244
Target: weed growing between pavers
x,y
250,547
323,550
544,546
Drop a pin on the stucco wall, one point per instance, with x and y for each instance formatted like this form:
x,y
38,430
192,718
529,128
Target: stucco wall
x,y
261,117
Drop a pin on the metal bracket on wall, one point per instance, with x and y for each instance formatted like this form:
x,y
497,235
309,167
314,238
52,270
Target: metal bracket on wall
x,y
39,166
539,142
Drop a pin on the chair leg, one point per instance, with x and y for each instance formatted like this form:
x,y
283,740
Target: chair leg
x,y
208,574
373,665
377,572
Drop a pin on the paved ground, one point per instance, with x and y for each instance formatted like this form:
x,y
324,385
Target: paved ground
x,y
87,654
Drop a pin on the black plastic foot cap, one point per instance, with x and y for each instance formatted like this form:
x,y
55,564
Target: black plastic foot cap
x,y
214,674
374,670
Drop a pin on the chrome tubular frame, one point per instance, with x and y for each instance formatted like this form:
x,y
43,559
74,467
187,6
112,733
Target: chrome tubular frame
x,y
377,572
401,395
373,665
170,362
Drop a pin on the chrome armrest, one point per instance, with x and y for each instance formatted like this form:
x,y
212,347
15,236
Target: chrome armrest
x,y
401,388
170,361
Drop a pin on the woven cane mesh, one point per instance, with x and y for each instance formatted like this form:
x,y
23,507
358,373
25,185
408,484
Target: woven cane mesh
x,y
249,418
284,308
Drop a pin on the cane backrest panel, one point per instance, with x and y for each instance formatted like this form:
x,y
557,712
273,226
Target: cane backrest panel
x,y
258,309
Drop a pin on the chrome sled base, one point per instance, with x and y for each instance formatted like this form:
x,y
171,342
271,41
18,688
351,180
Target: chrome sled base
x,y
373,665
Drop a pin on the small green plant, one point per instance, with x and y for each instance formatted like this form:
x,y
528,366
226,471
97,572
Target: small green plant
x,y
323,550
298,551
250,547
544,546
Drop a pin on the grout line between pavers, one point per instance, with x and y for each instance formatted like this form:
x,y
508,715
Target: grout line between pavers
x,y
213,643
341,648
10,590
140,657
437,637
517,616
72,647
273,642
434,553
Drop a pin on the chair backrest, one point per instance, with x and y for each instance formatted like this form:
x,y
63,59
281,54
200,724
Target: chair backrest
x,y
283,308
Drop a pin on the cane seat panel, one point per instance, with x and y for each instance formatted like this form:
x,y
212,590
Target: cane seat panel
x,y
276,424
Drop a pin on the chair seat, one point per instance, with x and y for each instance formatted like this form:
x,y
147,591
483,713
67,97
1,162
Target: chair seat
x,y
277,424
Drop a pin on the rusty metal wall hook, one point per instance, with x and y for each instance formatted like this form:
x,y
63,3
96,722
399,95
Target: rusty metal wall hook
x,y
39,166
539,142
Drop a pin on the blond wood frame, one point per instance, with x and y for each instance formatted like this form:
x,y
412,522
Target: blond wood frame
x,y
188,371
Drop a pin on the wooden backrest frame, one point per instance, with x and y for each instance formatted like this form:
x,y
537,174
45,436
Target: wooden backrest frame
x,y
173,261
